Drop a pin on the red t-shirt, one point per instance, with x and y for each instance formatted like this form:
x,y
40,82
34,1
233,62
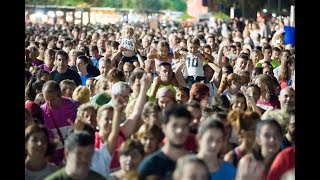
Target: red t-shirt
x,y
284,161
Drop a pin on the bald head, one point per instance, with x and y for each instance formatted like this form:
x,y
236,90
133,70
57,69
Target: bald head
x,y
287,99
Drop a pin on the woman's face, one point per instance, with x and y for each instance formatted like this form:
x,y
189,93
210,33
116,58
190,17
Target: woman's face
x,y
130,161
253,92
239,104
163,52
269,139
211,141
37,145
150,143
260,84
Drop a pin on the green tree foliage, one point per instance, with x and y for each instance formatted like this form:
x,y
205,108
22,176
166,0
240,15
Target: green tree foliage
x,y
41,2
179,5
112,3
148,5
140,5
131,4
165,4
71,2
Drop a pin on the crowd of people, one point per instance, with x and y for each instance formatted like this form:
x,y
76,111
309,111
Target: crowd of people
x,y
124,101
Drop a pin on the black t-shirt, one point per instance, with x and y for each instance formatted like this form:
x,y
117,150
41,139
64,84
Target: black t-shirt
x,y
69,74
157,164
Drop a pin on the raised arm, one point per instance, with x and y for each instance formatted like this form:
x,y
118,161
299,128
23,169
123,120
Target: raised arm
x,y
220,54
152,54
112,138
217,73
155,86
141,62
179,76
134,119
119,53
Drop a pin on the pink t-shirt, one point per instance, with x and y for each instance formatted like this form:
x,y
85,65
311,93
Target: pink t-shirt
x,y
68,110
115,164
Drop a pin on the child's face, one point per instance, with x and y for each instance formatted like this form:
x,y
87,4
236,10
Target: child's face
x,y
233,51
150,143
130,161
128,34
254,56
163,52
267,53
192,48
276,55
207,50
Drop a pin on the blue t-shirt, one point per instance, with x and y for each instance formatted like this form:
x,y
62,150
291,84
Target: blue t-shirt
x,y
95,61
157,164
226,172
84,79
289,36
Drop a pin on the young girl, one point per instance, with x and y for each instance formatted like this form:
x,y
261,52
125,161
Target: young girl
x,y
210,137
37,148
131,154
246,129
268,97
161,54
151,137
127,47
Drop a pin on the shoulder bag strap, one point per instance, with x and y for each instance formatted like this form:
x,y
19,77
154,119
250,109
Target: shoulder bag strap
x,y
55,125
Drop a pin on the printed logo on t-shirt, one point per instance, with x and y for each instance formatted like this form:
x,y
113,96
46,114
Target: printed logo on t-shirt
x,y
65,131
127,43
191,60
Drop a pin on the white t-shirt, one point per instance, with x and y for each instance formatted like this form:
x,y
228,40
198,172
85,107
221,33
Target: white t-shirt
x,y
101,161
213,90
40,175
193,67
276,72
